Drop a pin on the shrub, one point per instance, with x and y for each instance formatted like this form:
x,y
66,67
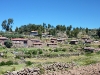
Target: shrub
x,y
71,50
8,43
6,63
64,49
34,52
99,46
2,63
50,50
17,56
28,63
9,63
56,50
40,51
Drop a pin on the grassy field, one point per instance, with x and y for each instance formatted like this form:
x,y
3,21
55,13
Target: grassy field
x,y
79,60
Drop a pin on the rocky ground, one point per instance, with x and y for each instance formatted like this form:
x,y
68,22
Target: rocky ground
x,y
85,70
93,69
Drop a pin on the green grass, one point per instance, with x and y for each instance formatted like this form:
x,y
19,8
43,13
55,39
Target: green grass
x,y
9,68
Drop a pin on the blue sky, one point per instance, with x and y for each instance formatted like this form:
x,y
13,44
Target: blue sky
x,y
84,13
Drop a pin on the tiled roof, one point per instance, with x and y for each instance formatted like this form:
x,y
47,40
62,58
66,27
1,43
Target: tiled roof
x,y
37,43
18,39
52,43
53,38
5,38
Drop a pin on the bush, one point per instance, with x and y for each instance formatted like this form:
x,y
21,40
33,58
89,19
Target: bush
x,y
2,63
99,46
8,43
17,56
56,50
50,50
28,63
9,63
71,50
40,51
34,52
6,63
64,49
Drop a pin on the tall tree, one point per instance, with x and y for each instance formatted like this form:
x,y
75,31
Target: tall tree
x,y
68,31
49,26
7,25
40,32
98,32
86,30
44,25
16,30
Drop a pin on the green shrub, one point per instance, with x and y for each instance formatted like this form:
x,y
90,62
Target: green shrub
x,y
2,63
56,50
9,63
64,49
6,63
17,56
28,63
71,50
34,52
50,50
8,43
99,46
40,51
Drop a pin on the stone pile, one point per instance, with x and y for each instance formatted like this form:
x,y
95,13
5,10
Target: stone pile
x,y
93,69
59,66
26,71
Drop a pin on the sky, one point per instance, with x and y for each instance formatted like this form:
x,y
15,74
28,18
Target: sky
x,y
78,13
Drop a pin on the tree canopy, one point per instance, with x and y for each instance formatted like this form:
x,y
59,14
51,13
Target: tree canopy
x,y
7,25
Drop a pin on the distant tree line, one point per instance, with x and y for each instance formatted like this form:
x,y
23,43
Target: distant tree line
x,y
42,28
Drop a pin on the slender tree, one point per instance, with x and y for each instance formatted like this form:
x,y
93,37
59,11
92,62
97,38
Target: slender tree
x,y
7,25
86,30
16,30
